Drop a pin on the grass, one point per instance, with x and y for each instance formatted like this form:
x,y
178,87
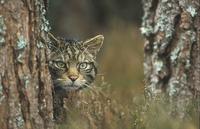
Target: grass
x,y
95,109
117,100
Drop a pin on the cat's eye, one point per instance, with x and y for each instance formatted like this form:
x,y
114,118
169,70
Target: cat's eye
x,y
60,64
83,65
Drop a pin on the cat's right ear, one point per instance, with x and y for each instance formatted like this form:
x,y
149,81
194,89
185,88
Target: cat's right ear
x,y
94,44
53,43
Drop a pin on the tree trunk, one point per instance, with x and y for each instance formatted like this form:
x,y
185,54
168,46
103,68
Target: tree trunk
x,y
25,84
172,50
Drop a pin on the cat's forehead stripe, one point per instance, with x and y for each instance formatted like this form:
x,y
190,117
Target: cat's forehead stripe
x,y
73,51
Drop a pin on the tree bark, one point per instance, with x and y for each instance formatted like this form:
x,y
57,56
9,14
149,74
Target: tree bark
x,y
25,84
172,50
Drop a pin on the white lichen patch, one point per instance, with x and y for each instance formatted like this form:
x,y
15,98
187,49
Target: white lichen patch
x,y
147,68
177,85
2,1
164,25
155,46
44,26
19,121
1,94
43,104
2,40
154,79
2,30
21,42
191,10
16,118
158,65
173,87
164,1
188,64
26,81
147,27
146,30
179,54
19,58
153,88
183,79
19,118
2,98
40,45
1,90
174,55
192,35
21,45
165,18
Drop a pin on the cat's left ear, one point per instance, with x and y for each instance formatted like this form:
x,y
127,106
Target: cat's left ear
x,y
94,44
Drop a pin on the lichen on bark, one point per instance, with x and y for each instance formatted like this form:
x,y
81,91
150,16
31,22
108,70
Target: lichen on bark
x,y
25,83
2,96
2,30
170,36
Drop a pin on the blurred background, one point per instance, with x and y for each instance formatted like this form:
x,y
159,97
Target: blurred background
x,y
121,58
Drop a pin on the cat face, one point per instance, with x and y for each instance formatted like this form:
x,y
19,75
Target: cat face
x,y
72,63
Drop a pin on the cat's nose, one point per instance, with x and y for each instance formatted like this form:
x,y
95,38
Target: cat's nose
x,y
73,77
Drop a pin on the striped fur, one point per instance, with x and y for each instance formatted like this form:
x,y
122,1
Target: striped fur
x,y
72,63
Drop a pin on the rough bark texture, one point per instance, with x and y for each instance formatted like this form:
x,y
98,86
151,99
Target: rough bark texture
x,y
172,49
25,85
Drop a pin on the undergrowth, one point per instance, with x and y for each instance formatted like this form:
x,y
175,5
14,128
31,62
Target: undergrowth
x,y
94,108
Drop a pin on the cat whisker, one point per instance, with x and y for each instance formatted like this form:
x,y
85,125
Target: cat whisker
x,y
52,36
91,88
59,79
57,50
88,86
85,49
100,74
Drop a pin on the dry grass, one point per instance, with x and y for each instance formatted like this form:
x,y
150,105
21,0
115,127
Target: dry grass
x,y
95,109
120,103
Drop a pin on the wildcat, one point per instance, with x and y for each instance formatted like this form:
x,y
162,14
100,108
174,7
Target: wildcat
x,y
72,63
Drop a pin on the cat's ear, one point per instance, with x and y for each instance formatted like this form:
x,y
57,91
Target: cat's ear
x,y
94,44
53,43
